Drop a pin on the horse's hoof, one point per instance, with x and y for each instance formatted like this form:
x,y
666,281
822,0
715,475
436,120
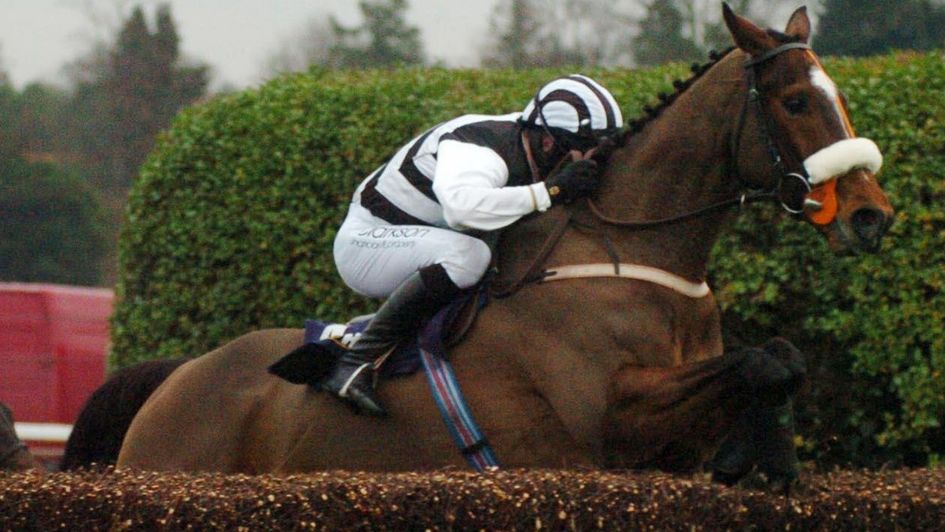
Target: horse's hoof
x,y
774,442
772,484
734,459
726,478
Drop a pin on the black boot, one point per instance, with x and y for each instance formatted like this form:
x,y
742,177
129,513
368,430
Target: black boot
x,y
415,301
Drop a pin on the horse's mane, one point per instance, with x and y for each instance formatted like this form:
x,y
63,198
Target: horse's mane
x,y
650,113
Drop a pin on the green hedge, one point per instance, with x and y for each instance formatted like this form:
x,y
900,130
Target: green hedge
x,y
231,222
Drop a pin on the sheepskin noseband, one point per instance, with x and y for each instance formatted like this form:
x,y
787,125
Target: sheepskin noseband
x,y
842,157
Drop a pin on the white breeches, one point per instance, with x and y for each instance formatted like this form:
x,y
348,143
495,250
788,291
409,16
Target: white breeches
x,y
374,257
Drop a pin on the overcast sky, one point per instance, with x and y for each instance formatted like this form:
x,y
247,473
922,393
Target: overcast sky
x,y
37,37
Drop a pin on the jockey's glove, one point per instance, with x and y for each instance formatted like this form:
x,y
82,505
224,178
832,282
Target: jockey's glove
x,y
577,180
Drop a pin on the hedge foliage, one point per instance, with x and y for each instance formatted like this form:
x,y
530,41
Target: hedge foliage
x,y
125,499
231,222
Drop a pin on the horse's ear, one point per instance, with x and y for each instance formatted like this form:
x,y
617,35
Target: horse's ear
x,y
799,25
749,37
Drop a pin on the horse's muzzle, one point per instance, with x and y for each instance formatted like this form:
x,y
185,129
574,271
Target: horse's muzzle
x,y
869,226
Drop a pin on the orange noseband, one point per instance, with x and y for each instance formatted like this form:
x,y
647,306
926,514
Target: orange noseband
x,y
826,195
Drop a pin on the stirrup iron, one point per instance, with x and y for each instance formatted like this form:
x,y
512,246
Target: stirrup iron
x,y
343,392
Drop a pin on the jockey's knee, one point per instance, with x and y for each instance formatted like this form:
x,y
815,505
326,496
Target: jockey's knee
x,y
468,262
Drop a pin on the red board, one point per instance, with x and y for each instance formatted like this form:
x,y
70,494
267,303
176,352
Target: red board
x,y
53,345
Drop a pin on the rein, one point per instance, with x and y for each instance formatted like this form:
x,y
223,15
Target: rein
x,y
744,199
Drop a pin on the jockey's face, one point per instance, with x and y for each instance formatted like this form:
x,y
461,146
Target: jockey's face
x,y
552,153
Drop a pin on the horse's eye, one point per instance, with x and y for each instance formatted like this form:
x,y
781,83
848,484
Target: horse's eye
x,y
796,105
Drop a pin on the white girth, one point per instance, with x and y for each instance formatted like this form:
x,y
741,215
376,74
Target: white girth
x,y
629,271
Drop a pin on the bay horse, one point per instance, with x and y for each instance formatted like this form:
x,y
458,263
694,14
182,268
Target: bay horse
x,y
602,372
14,455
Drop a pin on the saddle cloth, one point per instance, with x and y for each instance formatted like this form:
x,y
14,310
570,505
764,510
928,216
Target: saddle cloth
x,y
324,342
403,361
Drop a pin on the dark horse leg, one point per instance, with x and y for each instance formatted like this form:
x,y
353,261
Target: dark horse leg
x,y
14,455
101,426
763,436
674,418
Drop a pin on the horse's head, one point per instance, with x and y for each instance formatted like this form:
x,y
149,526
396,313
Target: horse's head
x,y
795,137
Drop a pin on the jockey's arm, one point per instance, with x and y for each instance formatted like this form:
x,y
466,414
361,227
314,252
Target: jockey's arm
x,y
470,185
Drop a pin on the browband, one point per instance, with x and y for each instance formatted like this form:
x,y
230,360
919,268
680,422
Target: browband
x,y
754,61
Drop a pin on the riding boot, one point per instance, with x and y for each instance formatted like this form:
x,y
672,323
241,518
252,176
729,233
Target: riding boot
x,y
410,305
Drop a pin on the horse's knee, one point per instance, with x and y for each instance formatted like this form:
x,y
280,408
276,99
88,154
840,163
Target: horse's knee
x,y
773,373
791,357
466,261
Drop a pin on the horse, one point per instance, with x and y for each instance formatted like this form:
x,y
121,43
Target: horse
x,y
618,366
101,425
14,455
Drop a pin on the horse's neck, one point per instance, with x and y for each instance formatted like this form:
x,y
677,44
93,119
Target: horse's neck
x,y
675,165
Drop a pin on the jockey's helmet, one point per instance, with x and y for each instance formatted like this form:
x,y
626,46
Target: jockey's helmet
x,y
575,110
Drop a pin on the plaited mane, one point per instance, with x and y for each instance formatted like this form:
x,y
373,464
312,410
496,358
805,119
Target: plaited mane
x,y
681,85
667,99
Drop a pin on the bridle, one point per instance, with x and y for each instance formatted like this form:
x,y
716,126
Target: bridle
x,y
754,99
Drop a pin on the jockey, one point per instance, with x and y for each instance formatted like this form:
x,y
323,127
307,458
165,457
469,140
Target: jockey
x,y
410,231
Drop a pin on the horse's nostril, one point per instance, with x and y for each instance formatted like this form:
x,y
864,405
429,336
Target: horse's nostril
x,y
869,225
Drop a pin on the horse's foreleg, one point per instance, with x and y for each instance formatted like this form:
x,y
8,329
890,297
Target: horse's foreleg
x,y
763,435
674,418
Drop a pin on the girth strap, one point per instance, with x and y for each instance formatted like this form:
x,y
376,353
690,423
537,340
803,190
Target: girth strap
x,y
456,415
628,271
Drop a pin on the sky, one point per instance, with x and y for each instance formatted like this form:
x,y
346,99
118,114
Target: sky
x,y
235,37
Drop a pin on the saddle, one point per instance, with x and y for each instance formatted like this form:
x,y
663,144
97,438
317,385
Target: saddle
x,y
325,342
